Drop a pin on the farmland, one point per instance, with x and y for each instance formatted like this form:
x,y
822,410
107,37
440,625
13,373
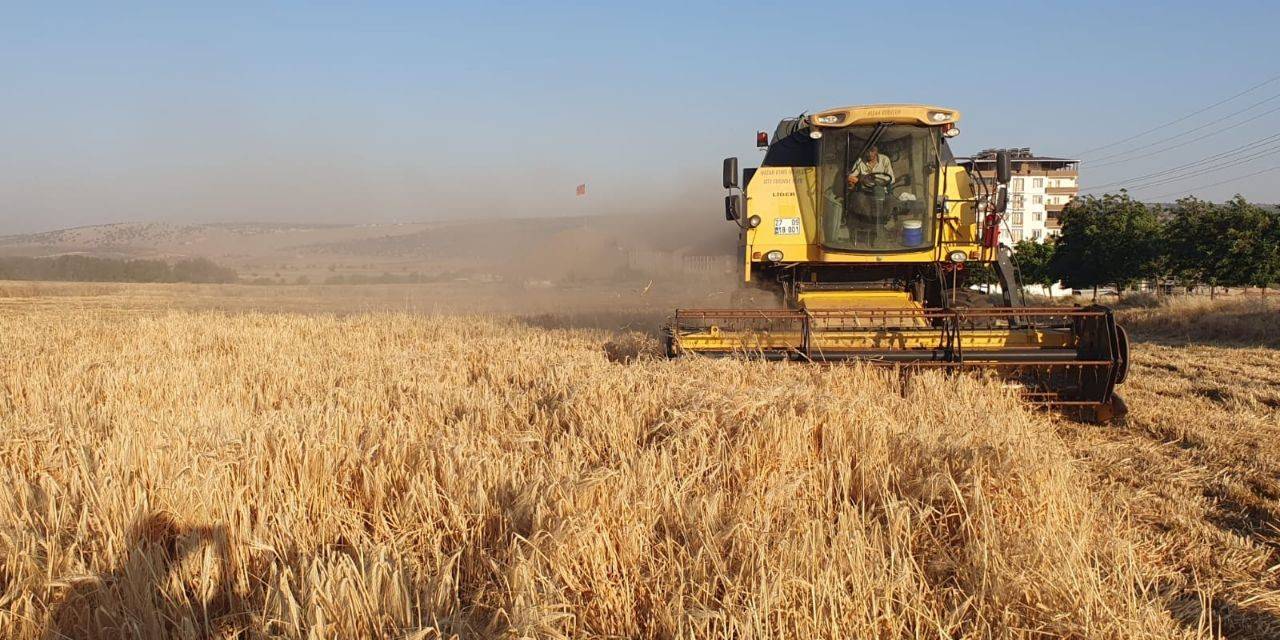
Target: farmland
x,y
229,461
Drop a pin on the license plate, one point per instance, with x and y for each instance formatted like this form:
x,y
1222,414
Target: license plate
x,y
786,226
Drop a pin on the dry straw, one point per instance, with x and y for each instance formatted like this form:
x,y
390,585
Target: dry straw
x,y
200,475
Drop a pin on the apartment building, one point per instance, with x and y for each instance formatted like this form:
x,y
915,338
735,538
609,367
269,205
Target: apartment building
x,y
1040,188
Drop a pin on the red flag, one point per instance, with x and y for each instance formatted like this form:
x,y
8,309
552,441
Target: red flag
x,y
582,189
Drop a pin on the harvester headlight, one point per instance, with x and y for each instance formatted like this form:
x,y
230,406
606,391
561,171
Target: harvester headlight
x,y
754,221
939,116
773,256
951,131
833,118
815,134
957,256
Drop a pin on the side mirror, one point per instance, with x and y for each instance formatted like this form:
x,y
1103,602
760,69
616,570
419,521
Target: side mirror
x,y
730,173
1003,169
1002,200
733,207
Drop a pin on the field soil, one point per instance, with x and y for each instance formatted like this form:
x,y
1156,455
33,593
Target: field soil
x,y
427,461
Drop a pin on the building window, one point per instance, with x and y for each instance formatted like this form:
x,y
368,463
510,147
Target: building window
x,y
1018,200
1037,183
1036,234
1038,217
1017,218
1037,199
1017,184
1017,236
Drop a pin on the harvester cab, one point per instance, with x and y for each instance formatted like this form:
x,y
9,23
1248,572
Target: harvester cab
x,y
860,237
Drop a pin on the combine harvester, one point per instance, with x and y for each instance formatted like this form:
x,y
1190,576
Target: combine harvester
x,y
861,232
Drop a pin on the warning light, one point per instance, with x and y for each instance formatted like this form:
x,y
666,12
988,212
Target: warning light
x,y
762,139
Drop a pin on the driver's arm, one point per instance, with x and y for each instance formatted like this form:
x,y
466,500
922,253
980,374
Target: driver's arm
x,y
859,168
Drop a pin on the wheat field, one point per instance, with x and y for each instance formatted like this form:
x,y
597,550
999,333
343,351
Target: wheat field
x,y
195,473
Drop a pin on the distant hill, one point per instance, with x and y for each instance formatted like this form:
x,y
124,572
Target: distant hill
x,y
542,247
160,239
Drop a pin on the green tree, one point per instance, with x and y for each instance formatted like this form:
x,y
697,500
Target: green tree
x,y
1033,259
78,268
1274,239
1250,253
1190,236
1232,244
1112,239
979,274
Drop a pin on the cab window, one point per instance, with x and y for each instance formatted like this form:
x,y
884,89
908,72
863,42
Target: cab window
x,y
876,187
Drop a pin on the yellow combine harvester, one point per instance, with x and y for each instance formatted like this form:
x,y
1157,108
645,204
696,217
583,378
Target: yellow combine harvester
x,y
859,231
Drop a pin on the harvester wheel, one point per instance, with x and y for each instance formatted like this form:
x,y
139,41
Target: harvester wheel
x,y
1122,364
970,299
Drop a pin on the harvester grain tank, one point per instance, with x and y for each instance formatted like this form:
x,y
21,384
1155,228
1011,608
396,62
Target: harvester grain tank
x,y
862,234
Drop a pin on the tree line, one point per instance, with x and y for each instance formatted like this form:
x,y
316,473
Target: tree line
x,y
78,268
1114,240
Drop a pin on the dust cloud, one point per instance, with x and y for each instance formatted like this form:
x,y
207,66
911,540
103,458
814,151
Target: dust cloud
x,y
627,270
618,261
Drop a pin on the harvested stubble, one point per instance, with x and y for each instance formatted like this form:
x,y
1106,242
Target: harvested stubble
x,y
205,475
1252,319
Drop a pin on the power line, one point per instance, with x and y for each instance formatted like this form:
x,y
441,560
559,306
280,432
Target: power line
x,y
1206,186
1193,168
1171,180
1186,142
1177,135
1234,163
1217,156
1181,119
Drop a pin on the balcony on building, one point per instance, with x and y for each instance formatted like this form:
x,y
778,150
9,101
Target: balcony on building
x,y
1024,163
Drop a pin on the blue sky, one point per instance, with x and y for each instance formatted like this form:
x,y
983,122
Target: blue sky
x,y
408,111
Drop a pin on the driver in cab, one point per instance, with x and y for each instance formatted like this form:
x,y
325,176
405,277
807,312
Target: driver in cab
x,y
872,163
872,173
